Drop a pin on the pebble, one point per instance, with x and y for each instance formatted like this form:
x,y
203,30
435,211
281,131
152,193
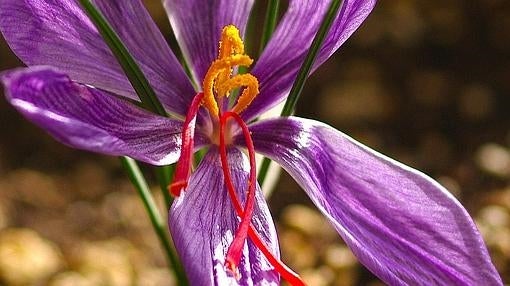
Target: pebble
x,y
26,257
494,159
297,250
340,257
34,188
322,276
71,278
109,261
308,221
155,277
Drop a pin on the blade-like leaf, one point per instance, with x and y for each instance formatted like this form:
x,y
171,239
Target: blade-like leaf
x,y
127,62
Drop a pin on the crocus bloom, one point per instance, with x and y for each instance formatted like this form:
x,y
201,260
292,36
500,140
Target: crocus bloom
x,y
401,224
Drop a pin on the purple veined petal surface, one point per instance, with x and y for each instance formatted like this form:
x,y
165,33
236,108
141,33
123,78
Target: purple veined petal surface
x,y
136,28
282,58
203,222
197,25
401,224
58,33
91,119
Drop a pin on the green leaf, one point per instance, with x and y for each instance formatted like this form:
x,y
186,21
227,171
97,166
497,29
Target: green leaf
x,y
164,175
137,179
126,61
151,103
303,73
269,23
305,69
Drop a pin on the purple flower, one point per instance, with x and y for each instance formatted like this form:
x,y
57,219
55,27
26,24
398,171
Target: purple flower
x,y
401,224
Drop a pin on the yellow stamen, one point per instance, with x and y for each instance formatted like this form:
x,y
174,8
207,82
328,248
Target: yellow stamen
x,y
251,90
231,42
218,79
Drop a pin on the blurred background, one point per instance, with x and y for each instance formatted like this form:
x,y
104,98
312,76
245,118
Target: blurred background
x,y
424,81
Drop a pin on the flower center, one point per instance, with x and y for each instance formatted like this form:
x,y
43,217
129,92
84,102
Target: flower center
x,y
218,84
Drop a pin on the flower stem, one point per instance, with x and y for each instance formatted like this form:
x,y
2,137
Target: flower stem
x,y
126,61
305,69
303,73
136,78
268,29
269,23
137,179
164,175
150,102
264,168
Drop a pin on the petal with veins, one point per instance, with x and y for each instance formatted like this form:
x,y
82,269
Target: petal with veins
x,y
91,119
203,221
197,25
59,34
401,224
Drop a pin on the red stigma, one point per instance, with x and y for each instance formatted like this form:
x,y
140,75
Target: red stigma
x,y
235,249
245,228
183,169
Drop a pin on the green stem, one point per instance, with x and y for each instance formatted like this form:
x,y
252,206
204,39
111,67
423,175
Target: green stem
x,y
199,155
268,29
269,23
264,168
261,178
303,73
137,179
164,175
126,61
150,102
135,76
305,69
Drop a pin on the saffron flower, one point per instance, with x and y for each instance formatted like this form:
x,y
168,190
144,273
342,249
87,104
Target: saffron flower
x,y
401,224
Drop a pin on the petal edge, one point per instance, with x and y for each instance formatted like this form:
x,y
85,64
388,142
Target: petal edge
x,y
87,118
400,223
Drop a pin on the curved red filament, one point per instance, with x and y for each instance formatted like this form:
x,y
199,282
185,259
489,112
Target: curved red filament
x,y
183,169
246,228
235,249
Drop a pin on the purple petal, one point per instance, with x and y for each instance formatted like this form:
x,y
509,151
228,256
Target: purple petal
x,y
58,33
90,119
203,221
198,24
279,64
401,224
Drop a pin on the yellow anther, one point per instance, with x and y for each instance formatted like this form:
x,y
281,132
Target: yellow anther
x,y
218,81
230,43
212,78
251,90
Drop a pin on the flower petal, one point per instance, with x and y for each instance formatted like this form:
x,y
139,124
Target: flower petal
x,y
90,119
58,33
401,224
281,60
198,24
203,223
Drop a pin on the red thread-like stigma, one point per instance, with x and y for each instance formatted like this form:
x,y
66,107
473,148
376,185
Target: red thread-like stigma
x,y
183,169
235,249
